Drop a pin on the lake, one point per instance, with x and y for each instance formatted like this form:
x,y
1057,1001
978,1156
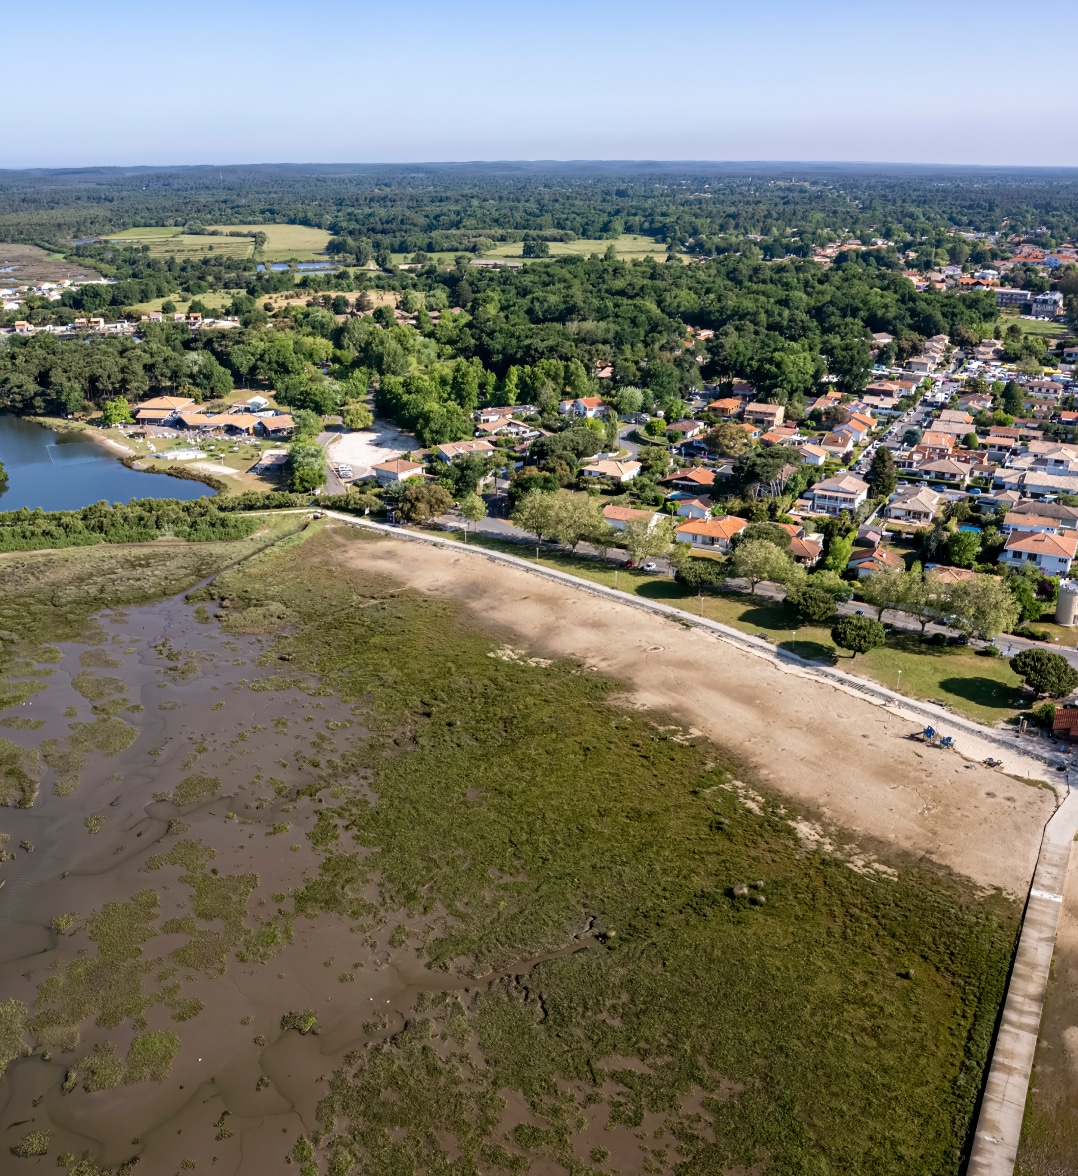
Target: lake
x,y
66,471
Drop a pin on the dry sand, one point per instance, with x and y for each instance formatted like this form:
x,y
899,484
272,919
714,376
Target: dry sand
x,y
847,760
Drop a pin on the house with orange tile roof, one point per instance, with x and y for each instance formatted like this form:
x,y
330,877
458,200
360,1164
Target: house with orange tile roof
x,y
864,563
399,469
715,534
690,481
620,517
1052,554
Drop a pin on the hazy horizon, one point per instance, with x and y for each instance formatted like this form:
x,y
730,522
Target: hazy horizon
x,y
236,82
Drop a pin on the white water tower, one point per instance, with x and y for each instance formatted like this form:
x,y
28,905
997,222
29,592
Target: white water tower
x,y
1067,607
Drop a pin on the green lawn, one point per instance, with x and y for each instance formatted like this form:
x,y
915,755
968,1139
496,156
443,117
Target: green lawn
x,y
1043,327
983,688
630,247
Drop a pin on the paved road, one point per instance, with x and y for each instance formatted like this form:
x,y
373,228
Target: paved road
x,y
632,447
333,484
999,1124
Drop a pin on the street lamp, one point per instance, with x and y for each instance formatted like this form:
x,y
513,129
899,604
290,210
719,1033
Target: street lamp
x,y
899,687
793,641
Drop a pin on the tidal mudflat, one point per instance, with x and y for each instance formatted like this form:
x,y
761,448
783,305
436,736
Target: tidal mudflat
x,y
306,863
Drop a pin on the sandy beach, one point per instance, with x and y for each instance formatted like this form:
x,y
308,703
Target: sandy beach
x,y
843,758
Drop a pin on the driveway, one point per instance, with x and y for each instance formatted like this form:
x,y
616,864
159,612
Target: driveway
x,y
632,447
333,484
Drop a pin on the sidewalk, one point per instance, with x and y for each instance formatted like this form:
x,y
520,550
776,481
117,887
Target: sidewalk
x,y
999,1124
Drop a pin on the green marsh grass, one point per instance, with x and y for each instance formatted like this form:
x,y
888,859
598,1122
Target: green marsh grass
x,y
518,807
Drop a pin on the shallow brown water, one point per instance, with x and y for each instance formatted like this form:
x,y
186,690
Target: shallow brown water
x,y
198,714
208,707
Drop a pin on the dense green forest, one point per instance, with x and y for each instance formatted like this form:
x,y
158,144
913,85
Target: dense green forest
x,y
531,336
705,207
736,267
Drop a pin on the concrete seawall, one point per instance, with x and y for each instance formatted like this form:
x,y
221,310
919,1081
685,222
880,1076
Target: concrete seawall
x,y
999,1124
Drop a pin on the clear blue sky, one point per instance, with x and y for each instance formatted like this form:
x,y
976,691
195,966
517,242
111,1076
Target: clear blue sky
x,y
233,81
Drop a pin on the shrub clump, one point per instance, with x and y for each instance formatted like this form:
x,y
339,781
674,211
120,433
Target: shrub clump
x,y
304,1020
35,1143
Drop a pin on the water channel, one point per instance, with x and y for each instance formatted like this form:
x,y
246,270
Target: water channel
x,y
66,471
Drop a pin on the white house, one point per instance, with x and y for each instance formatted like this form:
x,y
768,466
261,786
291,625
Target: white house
x,y
400,469
694,508
616,471
585,406
837,444
620,517
1053,554
813,455
713,533
834,495
918,506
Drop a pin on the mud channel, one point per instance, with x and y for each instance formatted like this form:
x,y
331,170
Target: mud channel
x,y
204,707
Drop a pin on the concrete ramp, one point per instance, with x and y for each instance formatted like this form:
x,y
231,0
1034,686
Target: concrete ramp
x,y
999,1124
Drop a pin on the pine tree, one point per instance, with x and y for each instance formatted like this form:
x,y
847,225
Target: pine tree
x,y
881,474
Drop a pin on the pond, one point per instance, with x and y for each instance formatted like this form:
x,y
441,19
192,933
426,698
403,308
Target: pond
x,y
305,266
66,471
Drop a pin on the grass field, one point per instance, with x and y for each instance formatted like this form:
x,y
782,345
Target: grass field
x,y
213,299
1042,327
285,242
149,233
630,247
984,688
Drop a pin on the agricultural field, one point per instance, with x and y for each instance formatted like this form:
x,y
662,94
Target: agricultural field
x,y
285,242
169,242
350,879
630,247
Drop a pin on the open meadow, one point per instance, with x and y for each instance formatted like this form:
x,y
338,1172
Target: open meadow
x,y
630,247
284,242
333,859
